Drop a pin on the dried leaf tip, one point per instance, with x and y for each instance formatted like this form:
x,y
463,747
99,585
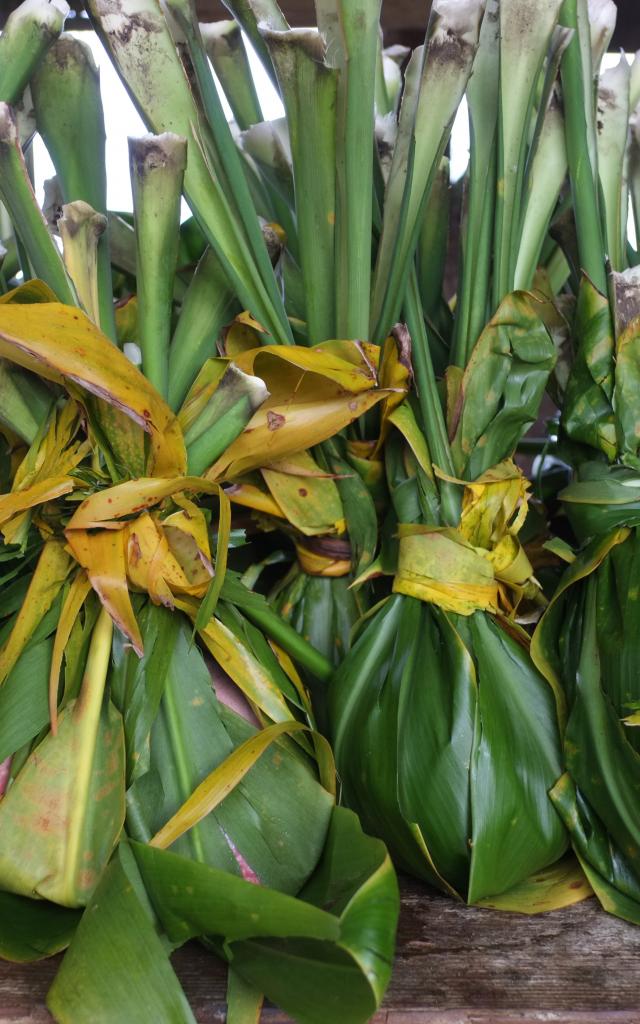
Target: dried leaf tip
x,y
152,152
8,128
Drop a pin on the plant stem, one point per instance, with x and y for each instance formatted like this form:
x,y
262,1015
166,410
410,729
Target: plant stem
x,y
157,167
583,173
17,194
433,422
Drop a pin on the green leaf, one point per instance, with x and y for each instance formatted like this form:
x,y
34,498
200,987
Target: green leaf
x,y
587,413
436,723
226,50
193,734
70,119
324,956
516,760
19,198
435,80
208,305
502,386
24,708
522,53
309,90
607,869
69,794
351,30
30,29
422,757
194,899
157,165
137,684
164,98
117,967
33,929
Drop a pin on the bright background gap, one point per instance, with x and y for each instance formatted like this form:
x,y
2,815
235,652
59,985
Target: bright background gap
x,y
122,120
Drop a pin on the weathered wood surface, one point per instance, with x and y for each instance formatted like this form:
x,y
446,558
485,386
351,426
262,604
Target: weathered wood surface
x,y
455,965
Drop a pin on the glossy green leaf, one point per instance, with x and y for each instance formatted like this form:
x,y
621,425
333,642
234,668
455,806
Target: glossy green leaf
x,y
117,967
515,828
192,734
33,929
428,716
340,930
502,386
587,413
70,794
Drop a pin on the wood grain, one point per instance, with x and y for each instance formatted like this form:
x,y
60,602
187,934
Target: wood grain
x,y
455,965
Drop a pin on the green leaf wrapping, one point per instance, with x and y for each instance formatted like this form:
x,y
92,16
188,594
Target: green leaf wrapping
x,y
429,715
33,929
190,736
588,640
325,955
117,967
322,609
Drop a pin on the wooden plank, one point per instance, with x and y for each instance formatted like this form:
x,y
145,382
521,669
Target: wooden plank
x,y
455,965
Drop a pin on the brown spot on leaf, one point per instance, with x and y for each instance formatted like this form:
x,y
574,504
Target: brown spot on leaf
x,y
275,420
302,491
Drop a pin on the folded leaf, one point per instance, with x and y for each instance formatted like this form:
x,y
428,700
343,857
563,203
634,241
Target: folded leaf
x,y
61,344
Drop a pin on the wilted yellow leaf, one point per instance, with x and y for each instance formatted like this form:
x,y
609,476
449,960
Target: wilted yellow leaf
x,y
61,343
278,431
102,555
51,571
104,508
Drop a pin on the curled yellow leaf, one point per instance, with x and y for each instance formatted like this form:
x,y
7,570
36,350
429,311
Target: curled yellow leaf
x,y
62,344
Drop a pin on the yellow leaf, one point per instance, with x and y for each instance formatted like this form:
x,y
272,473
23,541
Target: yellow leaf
x,y
290,669
240,664
73,602
45,490
346,364
330,558
105,508
277,432
149,562
102,555
239,338
55,454
308,498
404,420
560,885
51,571
395,374
32,291
43,474
251,496
436,565
61,343
223,779
126,314
188,536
